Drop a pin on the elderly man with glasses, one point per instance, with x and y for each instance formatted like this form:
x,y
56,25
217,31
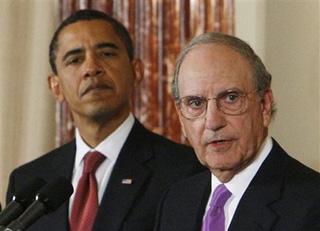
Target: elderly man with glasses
x,y
225,104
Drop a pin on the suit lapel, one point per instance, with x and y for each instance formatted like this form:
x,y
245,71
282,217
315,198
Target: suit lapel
x,y
184,204
66,171
127,178
200,193
254,211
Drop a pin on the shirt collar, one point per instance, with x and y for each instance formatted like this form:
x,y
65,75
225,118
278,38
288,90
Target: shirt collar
x,y
110,146
239,183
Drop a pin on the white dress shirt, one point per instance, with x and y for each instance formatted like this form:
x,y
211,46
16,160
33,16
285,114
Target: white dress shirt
x,y
110,147
239,183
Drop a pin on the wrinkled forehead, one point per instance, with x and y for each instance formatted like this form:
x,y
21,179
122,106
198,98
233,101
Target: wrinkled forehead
x,y
216,67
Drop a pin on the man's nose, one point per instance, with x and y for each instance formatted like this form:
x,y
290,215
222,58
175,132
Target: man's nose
x,y
92,67
214,117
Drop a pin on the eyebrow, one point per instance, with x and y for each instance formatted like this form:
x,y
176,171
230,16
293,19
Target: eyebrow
x,y
81,50
235,89
106,45
220,94
72,52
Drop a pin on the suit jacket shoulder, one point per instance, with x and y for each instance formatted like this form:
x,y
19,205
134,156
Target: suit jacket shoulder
x,y
58,162
161,153
285,192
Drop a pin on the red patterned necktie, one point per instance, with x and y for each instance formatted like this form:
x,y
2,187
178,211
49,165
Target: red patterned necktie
x,y
85,204
215,219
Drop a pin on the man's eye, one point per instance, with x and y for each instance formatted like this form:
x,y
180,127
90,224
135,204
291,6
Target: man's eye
x,y
196,103
108,54
74,60
231,97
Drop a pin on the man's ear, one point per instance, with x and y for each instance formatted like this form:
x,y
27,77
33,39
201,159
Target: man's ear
x,y
181,120
267,104
138,69
55,87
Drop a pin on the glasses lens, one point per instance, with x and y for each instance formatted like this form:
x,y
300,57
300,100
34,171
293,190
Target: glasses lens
x,y
231,102
193,106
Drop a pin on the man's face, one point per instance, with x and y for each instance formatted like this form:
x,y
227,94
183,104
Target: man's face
x,y
224,143
95,75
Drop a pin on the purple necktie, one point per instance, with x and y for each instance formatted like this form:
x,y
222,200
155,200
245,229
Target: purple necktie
x,y
215,220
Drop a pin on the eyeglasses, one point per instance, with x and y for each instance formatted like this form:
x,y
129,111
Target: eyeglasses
x,y
230,102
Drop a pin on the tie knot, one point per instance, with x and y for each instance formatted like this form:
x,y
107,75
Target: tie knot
x,y
92,160
220,196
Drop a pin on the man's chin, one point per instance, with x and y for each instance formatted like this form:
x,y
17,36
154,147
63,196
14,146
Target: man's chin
x,y
104,114
219,163
101,115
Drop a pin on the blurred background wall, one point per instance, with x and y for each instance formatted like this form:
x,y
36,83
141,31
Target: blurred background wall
x,y
285,33
27,112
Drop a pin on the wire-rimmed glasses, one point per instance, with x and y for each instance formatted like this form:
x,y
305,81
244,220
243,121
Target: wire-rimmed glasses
x,y
230,102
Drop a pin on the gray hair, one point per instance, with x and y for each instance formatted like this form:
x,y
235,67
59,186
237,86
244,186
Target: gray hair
x,y
261,77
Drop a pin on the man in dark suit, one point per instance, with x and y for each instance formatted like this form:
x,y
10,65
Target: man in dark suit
x,y
94,71
225,104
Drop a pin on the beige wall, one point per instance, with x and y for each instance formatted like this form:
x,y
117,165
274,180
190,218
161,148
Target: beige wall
x,y
285,33
26,108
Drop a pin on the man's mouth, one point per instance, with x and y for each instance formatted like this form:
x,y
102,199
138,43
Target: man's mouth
x,y
95,87
220,143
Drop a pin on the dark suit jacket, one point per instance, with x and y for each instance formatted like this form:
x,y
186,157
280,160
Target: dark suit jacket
x,y
153,163
283,196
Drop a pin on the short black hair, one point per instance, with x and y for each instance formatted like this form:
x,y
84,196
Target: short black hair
x,y
88,14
